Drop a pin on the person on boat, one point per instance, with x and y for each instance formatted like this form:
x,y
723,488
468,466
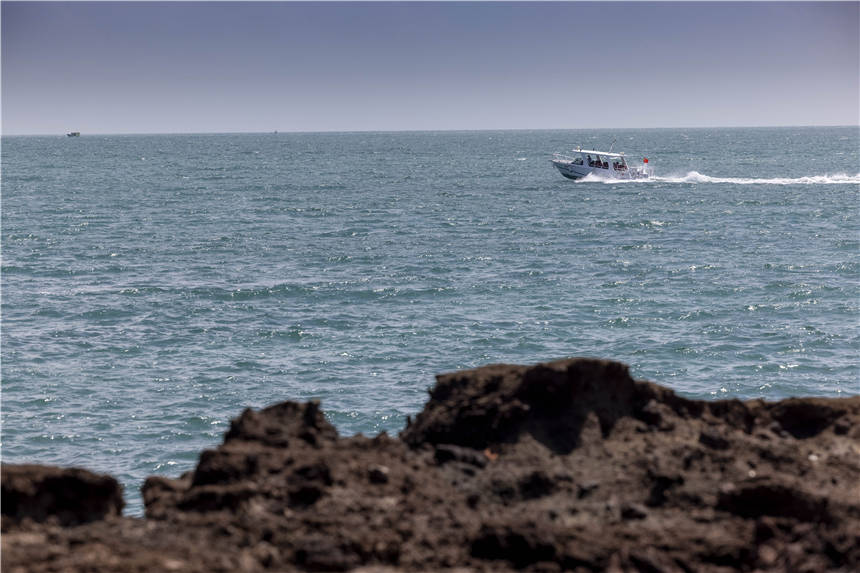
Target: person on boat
x,y
590,161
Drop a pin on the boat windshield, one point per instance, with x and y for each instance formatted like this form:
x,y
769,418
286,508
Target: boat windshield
x,y
619,164
597,161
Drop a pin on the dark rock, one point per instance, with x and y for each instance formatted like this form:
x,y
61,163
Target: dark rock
x,y
71,496
446,453
841,427
657,415
324,554
378,474
584,489
660,484
224,466
520,544
804,418
564,466
712,439
498,404
536,484
279,424
307,483
162,495
214,498
756,499
633,511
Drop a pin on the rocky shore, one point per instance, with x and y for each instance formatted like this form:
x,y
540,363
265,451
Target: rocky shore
x,y
563,466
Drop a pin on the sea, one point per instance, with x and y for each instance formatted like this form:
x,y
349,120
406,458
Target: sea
x,y
154,286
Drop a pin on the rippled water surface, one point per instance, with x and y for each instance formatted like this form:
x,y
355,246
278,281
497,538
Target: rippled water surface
x,y
153,286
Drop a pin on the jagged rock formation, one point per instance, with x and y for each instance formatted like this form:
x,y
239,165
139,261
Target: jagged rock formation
x,y
65,496
569,465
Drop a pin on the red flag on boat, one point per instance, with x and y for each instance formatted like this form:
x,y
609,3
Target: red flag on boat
x,y
645,160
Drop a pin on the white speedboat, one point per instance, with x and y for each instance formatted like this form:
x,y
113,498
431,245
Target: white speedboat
x,y
582,162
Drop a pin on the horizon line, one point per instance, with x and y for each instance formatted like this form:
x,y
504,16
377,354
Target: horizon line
x,y
466,130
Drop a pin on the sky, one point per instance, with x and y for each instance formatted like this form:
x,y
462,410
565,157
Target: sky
x,y
204,67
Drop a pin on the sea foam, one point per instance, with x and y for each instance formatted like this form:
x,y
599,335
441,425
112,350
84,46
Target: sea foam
x,y
696,177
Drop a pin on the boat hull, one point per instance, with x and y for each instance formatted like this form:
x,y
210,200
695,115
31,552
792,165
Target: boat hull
x,y
575,171
571,170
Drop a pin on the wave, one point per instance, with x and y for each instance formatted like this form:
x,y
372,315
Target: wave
x,y
696,177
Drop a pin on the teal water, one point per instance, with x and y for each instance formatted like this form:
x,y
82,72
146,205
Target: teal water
x,y
154,286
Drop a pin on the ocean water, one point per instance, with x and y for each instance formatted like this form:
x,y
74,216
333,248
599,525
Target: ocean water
x,y
154,286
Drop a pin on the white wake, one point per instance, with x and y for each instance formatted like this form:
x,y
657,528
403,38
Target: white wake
x,y
696,177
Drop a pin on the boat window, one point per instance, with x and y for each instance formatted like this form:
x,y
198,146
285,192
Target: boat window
x,y
619,164
601,162
577,160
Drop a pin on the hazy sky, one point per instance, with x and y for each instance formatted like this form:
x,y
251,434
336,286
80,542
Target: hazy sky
x,y
212,67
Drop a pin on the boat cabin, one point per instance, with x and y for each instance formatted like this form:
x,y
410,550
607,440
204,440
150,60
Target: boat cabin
x,y
600,159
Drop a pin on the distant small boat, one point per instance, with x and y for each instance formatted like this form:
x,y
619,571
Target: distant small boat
x,y
73,134
583,162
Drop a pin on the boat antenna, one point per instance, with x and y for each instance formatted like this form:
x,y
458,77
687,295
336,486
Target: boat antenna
x,y
613,144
